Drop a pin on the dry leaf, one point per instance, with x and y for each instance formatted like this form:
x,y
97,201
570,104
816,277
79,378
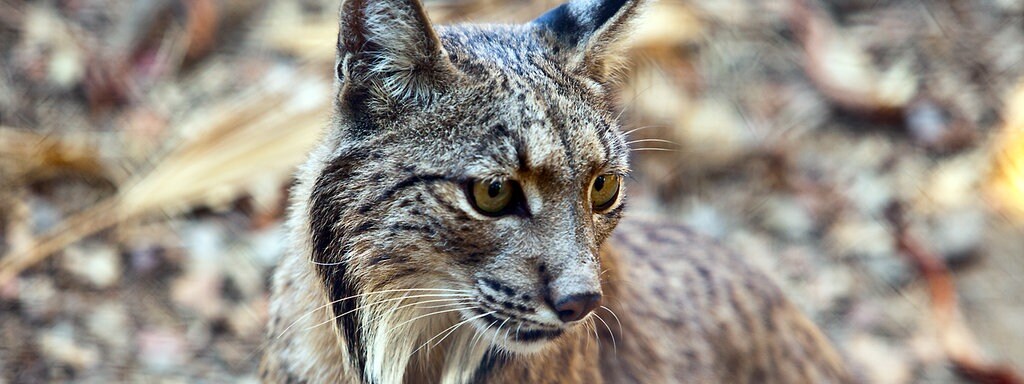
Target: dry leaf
x,y
1007,183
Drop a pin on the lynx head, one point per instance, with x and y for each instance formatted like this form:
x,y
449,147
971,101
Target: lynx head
x,y
470,177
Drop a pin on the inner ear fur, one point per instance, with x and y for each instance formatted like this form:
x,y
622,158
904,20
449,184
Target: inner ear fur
x,y
388,51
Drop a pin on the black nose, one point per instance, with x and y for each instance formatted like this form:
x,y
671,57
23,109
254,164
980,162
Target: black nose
x,y
575,307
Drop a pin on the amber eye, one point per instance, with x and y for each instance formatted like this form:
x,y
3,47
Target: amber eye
x,y
491,197
604,191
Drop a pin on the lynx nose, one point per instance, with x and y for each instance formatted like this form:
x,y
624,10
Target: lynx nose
x,y
576,307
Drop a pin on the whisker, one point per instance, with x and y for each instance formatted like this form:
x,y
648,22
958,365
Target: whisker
x,y
633,100
653,149
629,132
459,293
464,291
615,347
592,327
615,316
494,339
326,264
517,331
585,325
477,338
651,141
457,326
434,313
452,302
322,307
617,116
507,331
596,336
460,301
450,330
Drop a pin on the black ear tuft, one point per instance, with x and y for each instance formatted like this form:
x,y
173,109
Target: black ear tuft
x,y
592,31
578,20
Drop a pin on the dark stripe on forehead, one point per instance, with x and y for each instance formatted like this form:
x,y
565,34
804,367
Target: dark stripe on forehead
x,y
522,156
503,135
329,251
557,121
563,137
557,74
572,87
615,148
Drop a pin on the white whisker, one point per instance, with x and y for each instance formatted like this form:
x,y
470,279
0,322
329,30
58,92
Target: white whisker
x,y
633,100
629,132
586,329
363,295
434,313
454,301
651,141
653,149
615,316
597,337
615,347
327,264
477,338
456,327
507,331
494,339
460,301
450,330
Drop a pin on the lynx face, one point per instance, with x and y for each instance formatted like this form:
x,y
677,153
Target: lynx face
x,y
471,177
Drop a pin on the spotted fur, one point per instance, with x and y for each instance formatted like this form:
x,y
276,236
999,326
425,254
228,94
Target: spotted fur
x,y
394,276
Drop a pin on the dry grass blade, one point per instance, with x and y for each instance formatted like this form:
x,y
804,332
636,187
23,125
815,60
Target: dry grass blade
x,y
30,155
262,135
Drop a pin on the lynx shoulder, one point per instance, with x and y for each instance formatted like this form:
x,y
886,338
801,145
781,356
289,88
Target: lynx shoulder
x,y
462,221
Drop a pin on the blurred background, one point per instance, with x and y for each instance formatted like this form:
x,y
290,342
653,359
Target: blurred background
x,y
868,153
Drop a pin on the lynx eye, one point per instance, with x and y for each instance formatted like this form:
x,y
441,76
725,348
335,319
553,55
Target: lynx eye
x,y
604,191
492,198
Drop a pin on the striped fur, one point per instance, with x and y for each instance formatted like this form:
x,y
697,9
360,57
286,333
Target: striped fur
x,y
395,277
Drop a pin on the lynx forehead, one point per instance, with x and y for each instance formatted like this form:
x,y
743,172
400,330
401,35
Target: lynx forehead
x,y
455,224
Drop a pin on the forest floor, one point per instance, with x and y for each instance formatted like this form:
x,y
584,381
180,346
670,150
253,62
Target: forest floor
x,y
868,153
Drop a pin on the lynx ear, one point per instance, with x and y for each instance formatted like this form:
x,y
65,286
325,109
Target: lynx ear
x,y
388,50
591,34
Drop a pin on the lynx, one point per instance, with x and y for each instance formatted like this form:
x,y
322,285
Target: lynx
x,y
463,221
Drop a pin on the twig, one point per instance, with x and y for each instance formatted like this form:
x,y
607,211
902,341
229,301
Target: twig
x,y
958,342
